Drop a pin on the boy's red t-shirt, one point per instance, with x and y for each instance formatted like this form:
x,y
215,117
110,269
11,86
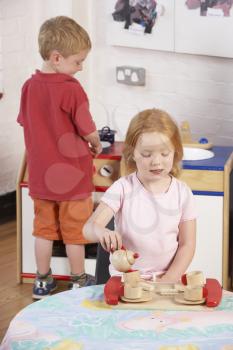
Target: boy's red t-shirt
x,y
54,113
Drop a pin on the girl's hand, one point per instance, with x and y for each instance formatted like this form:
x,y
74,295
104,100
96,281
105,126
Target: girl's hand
x,y
166,279
111,240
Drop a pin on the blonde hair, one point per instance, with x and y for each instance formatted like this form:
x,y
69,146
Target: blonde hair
x,y
64,35
152,120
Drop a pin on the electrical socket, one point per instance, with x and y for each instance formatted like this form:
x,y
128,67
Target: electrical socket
x,y
134,76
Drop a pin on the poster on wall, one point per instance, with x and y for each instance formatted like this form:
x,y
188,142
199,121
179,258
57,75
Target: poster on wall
x,y
203,27
145,24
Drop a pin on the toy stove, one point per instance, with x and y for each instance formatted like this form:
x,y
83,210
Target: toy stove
x,y
107,170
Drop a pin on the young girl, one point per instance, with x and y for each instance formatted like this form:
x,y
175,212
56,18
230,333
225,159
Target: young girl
x,y
154,211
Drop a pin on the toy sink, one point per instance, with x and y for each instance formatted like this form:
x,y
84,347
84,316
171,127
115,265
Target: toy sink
x,y
191,153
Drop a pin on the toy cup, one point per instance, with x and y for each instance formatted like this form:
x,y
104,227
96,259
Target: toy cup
x,y
132,292
194,278
132,278
195,293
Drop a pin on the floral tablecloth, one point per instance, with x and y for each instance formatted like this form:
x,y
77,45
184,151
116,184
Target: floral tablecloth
x,y
80,320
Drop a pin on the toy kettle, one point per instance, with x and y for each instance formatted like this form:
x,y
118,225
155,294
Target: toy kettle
x,y
123,259
106,134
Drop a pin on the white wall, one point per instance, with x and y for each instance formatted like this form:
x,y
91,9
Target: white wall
x,y
194,88
19,24
1,75
190,87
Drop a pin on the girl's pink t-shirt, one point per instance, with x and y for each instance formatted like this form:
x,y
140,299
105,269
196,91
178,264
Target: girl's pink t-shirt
x,y
149,223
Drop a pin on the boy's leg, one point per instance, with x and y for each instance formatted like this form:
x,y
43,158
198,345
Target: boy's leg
x,y
43,253
44,282
76,256
72,217
45,231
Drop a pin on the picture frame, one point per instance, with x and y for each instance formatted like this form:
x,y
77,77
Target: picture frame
x,y
134,33
184,26
203,27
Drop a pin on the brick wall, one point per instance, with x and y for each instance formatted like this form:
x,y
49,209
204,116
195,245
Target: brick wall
x,y
190,87
19,24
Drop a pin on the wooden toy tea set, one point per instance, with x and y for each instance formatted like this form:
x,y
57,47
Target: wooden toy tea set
x,y
194,289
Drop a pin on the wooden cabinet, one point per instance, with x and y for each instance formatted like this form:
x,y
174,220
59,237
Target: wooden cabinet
x,y
210,182
209,244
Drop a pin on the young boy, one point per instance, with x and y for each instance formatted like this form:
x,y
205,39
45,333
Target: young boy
x,y
60,139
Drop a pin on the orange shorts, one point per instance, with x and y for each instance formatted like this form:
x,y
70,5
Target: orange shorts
x,y
62,220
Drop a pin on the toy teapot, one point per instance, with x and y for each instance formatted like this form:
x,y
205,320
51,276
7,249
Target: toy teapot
x,y
123,259
128,287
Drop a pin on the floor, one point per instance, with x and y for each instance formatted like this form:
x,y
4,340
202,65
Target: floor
x,y
13,296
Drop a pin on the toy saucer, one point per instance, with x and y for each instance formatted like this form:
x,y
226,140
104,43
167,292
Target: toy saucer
x,y
144,297
179,298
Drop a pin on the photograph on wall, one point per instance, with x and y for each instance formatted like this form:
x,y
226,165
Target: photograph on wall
x,y
217,8
202,26
141,23
137,15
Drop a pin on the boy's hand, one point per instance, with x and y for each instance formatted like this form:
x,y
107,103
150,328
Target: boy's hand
x,y
110,240
95,150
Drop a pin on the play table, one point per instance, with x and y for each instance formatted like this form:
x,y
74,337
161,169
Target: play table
x,y
80,320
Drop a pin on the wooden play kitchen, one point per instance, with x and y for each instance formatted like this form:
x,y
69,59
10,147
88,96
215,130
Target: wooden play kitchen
x,y
209,180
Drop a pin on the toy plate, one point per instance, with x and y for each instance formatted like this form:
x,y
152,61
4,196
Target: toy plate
x,y
180,299
145,297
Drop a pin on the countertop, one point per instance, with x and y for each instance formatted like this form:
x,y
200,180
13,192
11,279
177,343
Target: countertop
x,y
217,163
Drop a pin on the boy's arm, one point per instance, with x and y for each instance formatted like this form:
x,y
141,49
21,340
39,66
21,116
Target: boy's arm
x,y
20,118
184,254
95,228
94,140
